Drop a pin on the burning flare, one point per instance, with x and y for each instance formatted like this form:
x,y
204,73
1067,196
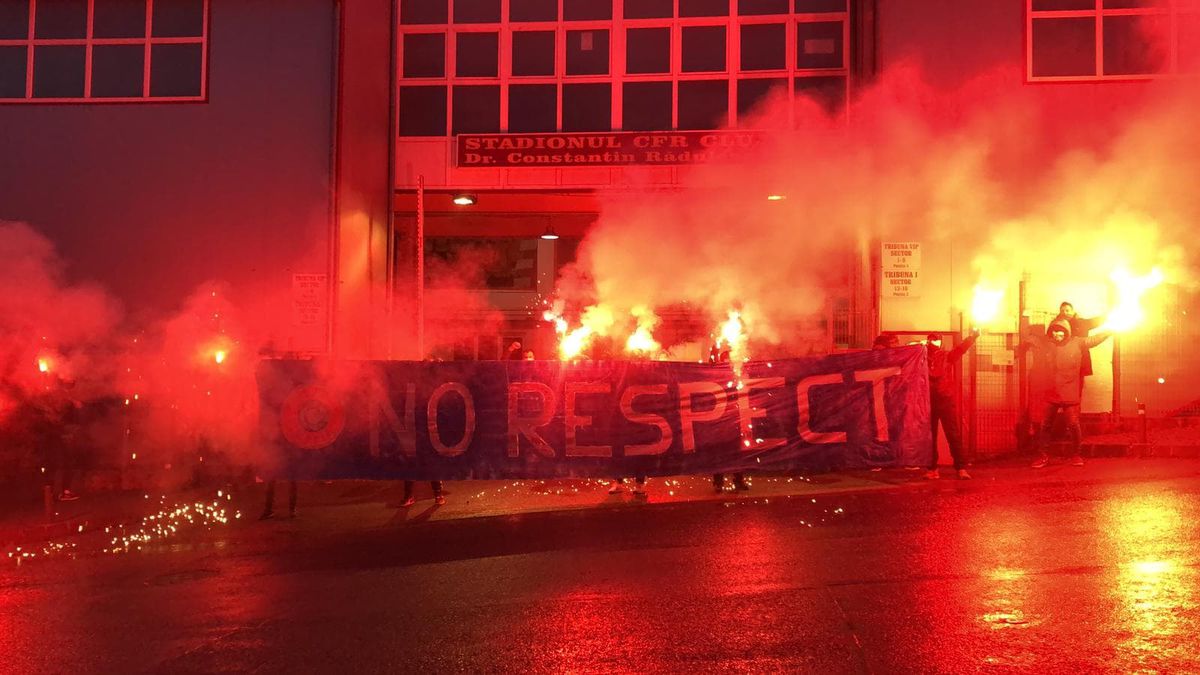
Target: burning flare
x,y
985,305
642,341
733,335
43,364
1128,313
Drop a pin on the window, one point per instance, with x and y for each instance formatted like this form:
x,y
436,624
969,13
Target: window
x,y
703,49
103,50
532,108
587,10
422,111
820,6
424,55
757,7
819,45
646,106
703,104
533,53
423,11
540,66
650,9
533,10
1110,39
752,92
586,107
476,11
764,46
648,50
587,52
477,55
703,8
476,109
827,92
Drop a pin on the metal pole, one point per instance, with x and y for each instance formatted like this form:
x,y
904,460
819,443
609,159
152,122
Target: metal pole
x,y
1022,328
972,394
420,259
1116,379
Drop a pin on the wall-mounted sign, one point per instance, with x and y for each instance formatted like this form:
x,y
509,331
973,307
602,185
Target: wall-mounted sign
x,y
901,267
602,149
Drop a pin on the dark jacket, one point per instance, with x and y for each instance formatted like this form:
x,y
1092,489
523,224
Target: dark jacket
x,y
941,368
1081,327
1061,365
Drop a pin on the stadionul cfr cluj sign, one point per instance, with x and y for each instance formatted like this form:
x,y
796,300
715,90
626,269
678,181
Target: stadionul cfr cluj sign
x,y
602,149
548,419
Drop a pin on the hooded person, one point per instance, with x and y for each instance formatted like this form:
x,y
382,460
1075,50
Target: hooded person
x,y
1082,328
943,400
1059,358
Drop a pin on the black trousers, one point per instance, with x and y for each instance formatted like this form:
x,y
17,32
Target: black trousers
x,y
1070,413
408,488
944,411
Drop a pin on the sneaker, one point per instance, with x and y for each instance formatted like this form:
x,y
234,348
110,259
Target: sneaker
x,y
1076,461
963,475
408,501
617,487
1040,462
932,474
440,500
67,496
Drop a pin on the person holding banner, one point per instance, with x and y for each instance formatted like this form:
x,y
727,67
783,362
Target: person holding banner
x,y
720,354
943,400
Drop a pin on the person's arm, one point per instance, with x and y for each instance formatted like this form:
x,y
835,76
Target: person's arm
x,y
962,347
1093,340
1091,324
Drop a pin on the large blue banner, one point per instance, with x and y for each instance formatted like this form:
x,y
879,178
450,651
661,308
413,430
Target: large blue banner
x,y
549,419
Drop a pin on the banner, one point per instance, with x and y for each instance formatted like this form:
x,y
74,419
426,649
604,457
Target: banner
x,y
549,419
610,148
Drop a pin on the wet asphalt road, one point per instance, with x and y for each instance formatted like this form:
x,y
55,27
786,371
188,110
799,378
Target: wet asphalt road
x,y
1077,572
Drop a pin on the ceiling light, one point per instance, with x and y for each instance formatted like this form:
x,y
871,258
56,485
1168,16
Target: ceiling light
x,y
776,198
549,234
464,200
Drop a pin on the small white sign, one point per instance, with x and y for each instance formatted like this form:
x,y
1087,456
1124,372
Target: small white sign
x,y
310,299
901,269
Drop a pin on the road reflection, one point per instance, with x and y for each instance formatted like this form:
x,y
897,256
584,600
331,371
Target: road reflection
x,y
1155,579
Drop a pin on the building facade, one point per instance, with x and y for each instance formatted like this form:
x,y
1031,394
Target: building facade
x,y
162,143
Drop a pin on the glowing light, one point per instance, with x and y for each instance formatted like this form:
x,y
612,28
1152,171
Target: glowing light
x,y
1162,380
1149,567
642,340
596,320
574,342
1128,314
219,356
985,305
43,365
732,335
464,200
776,198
